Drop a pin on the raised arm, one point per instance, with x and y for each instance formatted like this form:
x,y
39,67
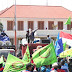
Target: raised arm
x,y
35,30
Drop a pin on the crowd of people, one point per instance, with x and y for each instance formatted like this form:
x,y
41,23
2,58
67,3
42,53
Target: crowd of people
x,y
62,65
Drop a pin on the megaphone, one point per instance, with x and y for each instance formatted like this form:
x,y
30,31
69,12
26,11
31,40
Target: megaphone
x,y
1,43
7,43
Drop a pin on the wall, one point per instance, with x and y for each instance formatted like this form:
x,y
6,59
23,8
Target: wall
x,y
39,33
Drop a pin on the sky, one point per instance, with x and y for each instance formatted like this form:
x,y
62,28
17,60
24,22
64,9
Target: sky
x,y
65,3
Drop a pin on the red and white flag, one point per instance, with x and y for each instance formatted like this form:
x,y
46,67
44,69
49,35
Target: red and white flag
x,y
66,37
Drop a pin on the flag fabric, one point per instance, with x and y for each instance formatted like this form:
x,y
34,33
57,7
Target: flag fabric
x,y
66,53
14,64
4,38
27,55
45,56
56,40
59,47
64,46
68,21
66,37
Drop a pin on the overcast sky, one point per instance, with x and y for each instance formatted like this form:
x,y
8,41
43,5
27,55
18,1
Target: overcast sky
x,y
65,3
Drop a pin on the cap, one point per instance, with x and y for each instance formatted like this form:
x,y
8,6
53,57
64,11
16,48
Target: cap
x,y
55,64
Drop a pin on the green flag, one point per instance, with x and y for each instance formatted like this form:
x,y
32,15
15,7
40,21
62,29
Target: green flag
x,y
14,64
27,55
64,46
45,56
68,21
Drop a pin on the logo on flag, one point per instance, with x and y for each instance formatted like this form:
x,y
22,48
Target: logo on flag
x,y
47,54
18,65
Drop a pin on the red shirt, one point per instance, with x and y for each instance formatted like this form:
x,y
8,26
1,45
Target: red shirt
x,y
52,68
60,70
32,61
1,69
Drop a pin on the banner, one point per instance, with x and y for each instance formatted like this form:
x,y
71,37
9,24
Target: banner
x,y
14,64
27,55
45,56
66,53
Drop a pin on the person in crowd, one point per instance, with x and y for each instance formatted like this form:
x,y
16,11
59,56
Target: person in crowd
x,y
34,66
59,68
1,67
64,67
58,59
49,38
28,37
28,68
43,69
32,35
66,63
19,55
70,64
3,33
54,67
48,68
69,47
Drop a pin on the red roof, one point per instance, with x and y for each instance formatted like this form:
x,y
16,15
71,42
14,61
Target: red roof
x,y
3,11
27,11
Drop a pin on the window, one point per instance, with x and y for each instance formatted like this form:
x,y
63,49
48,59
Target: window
x,y
30,24
41,25
10,25
60,25
20,25
50,25
69,26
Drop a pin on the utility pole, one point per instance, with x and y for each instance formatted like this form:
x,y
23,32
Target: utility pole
x,y
15,30
46,2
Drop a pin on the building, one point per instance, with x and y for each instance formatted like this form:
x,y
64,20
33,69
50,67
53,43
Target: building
x,y
48,19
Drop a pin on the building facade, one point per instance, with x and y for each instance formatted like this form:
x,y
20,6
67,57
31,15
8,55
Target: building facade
x,y
47,19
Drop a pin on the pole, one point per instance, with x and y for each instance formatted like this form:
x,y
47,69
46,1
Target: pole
x,y
15,29
70,28
46,2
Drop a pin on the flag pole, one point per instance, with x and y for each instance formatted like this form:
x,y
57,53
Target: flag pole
x,y
70,28
15,30
46,2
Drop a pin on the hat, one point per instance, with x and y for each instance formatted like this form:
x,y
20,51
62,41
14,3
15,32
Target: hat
x,y
55,64
28,65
